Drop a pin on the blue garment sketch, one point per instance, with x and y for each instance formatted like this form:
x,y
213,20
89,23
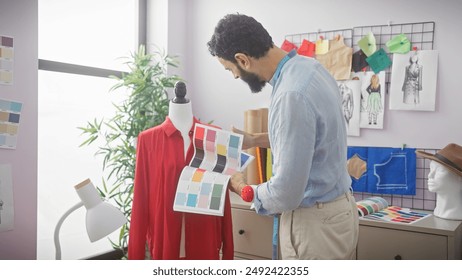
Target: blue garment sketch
x,y
391,171
382,170
396,162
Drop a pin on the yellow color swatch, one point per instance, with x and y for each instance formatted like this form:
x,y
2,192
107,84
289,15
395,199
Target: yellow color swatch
x,y
221,149
6,77
197,177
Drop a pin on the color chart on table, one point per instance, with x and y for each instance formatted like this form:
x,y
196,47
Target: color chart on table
x,y
377,208
10,114
397,214
6,60
202,186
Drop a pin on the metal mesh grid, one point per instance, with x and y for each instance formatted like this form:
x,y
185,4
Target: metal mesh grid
x,y
420,34
297,39
422,200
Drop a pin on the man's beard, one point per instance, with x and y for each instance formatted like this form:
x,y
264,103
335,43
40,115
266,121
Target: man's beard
x,y
254,82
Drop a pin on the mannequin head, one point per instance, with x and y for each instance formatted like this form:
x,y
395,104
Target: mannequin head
x,y
445,179
441,180
448,188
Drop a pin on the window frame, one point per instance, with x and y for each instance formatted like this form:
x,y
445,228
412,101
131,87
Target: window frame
x,y
78,69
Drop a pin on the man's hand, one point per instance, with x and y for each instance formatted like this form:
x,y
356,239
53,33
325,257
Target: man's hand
x,y
252,140
248,138
236,183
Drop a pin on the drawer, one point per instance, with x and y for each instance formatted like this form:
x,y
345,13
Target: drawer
x,y
252,233
377,243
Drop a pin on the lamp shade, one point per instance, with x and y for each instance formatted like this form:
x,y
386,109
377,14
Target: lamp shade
x,y
102,218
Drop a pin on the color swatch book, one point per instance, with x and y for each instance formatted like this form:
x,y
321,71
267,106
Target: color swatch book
x,y
202,186
377,208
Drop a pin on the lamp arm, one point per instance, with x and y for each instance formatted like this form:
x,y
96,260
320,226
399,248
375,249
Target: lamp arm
x,y
58,227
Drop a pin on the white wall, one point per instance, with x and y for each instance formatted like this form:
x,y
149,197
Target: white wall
x,y
217,96
18,19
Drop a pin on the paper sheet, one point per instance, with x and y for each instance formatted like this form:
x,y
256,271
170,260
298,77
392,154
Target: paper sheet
x,y
6,198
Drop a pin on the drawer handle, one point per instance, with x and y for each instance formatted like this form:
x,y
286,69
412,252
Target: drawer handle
x,y
398,257
241,231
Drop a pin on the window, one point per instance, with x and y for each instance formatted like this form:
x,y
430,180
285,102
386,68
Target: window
x,y
81,42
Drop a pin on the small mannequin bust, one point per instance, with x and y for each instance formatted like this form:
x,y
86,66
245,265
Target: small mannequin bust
x,y
180,113
448,188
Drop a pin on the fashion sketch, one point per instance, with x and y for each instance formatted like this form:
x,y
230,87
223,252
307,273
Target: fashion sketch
x,y
372,99
347,101
412,81
350,92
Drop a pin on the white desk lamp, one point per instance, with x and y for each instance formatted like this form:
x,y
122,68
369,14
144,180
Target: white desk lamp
x,y
102,218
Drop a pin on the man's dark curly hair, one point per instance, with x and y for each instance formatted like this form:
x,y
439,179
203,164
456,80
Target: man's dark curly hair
x,y
236,33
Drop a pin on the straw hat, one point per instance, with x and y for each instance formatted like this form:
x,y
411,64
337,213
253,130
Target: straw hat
x,y
450,156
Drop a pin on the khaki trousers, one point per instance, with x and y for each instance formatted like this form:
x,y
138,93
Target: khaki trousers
x,y
326,231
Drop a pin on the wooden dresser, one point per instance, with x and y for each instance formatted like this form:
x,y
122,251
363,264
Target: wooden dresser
x,y
431,238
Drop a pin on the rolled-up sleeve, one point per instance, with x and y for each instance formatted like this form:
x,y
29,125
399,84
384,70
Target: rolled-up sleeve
x,y
293,138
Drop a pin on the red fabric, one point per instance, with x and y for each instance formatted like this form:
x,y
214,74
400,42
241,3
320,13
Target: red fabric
x,y
159,162
307,48
288,46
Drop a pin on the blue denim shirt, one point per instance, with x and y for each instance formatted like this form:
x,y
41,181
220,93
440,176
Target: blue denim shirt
x,y
307,134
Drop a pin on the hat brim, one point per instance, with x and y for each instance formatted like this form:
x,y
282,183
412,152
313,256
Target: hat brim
x,y
432,157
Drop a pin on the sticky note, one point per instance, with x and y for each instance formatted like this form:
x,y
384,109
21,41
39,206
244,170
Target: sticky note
x,y
322,46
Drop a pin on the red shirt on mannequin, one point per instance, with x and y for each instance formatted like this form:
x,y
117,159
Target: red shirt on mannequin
x,y
159,162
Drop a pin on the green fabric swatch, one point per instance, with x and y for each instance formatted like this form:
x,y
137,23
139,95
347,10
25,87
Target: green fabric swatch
x,y
367,44
378,61
399,44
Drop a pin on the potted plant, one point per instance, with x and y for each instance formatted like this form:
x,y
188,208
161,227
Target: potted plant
x,y
146,106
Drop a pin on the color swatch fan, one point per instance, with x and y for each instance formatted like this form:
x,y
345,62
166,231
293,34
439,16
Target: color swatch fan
x,y
202,185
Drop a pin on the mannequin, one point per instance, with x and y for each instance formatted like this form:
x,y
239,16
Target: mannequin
x,y
180,113
448,188
168,234
445,179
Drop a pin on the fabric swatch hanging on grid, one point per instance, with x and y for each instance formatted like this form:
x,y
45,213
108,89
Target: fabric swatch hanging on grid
x,y
307,48
359,61
288,46
382,170
338,59
379,61
367,44
399,44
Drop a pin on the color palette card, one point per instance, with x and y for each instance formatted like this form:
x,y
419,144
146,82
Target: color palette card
x,y
376,208
218,150
6,60
201,191
10,114
202,186
397,214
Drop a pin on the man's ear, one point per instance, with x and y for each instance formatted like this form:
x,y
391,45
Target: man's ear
x,y
242,60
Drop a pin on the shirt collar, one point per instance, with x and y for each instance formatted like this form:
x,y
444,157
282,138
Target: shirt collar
x,y
170,129
279,68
